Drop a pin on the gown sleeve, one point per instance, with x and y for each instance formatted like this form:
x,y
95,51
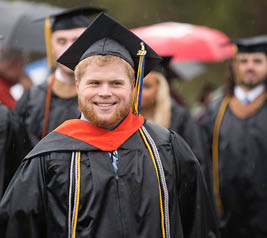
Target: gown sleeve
x,y
197,210
14,145
22,209
190,131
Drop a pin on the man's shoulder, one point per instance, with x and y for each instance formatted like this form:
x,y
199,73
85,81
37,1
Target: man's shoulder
x,y
159,134
33,94
57,142
215,104
39,88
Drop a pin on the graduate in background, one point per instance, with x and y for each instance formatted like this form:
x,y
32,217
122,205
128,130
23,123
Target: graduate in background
x,y
46,106
110,173
12,62
159,107
237,132
14,142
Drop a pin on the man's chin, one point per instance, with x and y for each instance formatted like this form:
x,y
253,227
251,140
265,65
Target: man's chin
x,y
250,84
107,122
66,70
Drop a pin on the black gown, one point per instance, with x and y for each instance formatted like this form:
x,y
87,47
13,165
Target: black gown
x,y
14,145
242,171
122,204
183,123
31,108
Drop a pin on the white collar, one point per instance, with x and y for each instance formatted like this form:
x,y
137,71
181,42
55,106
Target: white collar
x,y
83,118
249,96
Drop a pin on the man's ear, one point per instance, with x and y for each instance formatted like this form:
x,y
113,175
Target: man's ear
x,y
77,85
132,86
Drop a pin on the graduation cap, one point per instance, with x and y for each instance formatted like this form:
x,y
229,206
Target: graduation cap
x,y
106,36
166,69
66,20
251,44
73,18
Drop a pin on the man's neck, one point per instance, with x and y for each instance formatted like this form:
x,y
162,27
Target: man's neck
x,y
148,113
110,129
247,96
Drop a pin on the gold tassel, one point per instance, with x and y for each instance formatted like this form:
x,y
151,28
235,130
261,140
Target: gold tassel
x,y
139,80
50,58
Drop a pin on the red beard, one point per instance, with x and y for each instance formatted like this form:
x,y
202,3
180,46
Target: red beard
x,y
91,116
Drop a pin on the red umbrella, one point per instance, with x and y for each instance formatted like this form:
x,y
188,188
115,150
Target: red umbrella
x,y
186,42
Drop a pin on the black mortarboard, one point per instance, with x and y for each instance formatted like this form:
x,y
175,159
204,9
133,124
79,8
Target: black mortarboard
x,y
106,36
251,44
73,18
165,68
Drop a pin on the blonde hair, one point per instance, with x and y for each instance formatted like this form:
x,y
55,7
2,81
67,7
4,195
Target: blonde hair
x,y
162,115
102,60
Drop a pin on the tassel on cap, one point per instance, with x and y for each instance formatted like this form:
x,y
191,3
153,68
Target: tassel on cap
x,y
50,58
139,80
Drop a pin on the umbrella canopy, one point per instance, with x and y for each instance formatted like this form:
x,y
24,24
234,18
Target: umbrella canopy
x,y
187,70
186,42
19,26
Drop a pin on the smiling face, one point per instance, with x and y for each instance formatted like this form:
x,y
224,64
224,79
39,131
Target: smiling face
x,y
105,92
251,69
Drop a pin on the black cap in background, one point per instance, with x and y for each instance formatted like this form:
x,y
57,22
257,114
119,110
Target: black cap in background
x,y
73,18
106,36
251,44
166,69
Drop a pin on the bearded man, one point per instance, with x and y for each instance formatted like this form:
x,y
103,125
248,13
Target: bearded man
x,y
237,132
110,174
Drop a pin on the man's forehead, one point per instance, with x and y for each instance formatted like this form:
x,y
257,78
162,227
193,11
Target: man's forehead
x,y
251,55
69,33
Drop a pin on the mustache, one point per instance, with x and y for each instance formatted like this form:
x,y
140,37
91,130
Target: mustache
x,y
250,71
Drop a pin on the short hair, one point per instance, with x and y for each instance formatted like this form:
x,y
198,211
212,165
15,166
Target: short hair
x,y
102,60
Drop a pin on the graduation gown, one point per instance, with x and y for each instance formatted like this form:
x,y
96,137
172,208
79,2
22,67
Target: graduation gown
x,y
242,170
31,108
122,204
183,123
14,145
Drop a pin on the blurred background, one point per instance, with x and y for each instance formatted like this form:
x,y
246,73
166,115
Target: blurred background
x,y
239,18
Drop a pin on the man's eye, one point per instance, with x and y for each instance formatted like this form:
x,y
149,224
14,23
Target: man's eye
x,y
147,86
61,41
242,61
257,61
116,83
93,83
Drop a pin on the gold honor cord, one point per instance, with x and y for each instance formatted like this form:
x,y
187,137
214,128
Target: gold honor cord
x,y
78,194
215,153
50,59
138,82
160,192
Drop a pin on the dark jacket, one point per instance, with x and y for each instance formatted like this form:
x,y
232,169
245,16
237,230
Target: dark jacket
x,y
14,145
122,204
31,109
242,170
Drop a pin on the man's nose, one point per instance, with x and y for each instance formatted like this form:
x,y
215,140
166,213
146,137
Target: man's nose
x,y
105,91
250,65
